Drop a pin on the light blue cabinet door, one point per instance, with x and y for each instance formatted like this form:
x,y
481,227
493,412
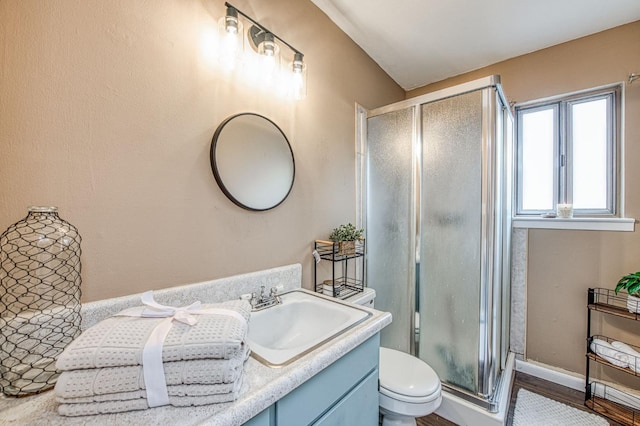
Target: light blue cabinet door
x,y
313,398
345,394
358,408
264,418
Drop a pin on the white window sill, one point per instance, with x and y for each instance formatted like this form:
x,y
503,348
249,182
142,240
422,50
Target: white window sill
x,y
577,223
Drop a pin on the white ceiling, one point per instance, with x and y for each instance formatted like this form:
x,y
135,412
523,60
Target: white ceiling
x,y
418,42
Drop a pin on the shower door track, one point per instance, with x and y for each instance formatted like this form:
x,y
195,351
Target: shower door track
x,y
491,405
460,89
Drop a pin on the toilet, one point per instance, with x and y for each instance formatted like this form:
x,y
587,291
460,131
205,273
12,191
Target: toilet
x,y
408,387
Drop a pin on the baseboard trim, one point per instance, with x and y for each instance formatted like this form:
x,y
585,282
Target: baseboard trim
x,y
552,374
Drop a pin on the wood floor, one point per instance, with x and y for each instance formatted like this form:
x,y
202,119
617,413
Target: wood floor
x,y
547,389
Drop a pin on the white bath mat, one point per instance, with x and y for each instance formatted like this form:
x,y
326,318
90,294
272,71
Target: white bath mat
x,y
535,410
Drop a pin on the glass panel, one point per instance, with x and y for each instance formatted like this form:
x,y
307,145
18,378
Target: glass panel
x,y
390,260
451,210
590,146
538,136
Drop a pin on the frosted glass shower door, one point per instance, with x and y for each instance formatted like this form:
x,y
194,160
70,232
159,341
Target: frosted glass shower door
x,y
391,221
438,223
451,253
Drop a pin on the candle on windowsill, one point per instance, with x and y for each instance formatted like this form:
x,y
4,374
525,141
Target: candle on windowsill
x,y
565,210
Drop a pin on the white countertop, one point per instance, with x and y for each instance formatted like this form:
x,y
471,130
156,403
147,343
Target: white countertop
x,y
262,387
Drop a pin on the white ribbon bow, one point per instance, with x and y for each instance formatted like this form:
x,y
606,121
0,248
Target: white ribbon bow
x,y
152,368
156,310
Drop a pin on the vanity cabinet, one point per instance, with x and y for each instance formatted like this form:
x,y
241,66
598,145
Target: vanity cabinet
x,y
607,399
263,418
344,393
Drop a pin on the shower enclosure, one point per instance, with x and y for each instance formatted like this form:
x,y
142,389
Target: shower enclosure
x,y
436,198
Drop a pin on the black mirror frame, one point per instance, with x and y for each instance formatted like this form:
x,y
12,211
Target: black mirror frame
x,y
216,172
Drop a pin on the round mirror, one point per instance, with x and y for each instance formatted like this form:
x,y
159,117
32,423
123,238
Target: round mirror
x,y
252,161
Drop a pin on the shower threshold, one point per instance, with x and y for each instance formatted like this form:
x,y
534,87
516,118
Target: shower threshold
x,y
468,410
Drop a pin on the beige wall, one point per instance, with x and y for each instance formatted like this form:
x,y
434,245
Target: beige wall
x,y
107,109
563,264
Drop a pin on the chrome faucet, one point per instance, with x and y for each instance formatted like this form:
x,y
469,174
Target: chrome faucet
x,y
264,300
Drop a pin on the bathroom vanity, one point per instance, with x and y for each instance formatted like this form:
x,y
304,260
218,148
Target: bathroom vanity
x,y
335,383
345,393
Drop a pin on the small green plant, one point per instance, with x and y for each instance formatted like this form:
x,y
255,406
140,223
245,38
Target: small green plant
x,y
346,233
630,283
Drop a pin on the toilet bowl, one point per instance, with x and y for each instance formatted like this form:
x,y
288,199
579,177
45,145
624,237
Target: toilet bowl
x,y
408,387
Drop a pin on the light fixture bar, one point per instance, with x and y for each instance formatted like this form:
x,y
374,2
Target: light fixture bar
x,y
265,29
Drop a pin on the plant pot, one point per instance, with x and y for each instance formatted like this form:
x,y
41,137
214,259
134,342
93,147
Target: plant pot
x,y
633,304
347,248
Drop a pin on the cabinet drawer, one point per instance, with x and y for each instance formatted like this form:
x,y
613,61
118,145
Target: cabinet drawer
x,y
306,403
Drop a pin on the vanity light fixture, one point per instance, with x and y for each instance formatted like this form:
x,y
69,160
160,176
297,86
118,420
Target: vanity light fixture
x,y
264,43
231,39
299,80
267,44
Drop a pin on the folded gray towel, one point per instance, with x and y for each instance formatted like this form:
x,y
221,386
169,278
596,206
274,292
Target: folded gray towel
x,y
119,340
229,389
109,407
110,380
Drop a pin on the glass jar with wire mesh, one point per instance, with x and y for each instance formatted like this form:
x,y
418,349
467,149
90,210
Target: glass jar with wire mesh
x,y
39,299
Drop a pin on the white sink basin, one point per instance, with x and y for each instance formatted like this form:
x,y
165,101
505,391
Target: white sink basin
x,y
282,333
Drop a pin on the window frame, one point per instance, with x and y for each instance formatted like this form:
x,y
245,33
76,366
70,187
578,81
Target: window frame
x,y
519,153
563,150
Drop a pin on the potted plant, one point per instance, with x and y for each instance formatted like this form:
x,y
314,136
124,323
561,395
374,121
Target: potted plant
x,y
631,283
345,236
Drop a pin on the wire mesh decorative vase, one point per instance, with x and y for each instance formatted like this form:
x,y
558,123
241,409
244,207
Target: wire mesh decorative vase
x,y
39,299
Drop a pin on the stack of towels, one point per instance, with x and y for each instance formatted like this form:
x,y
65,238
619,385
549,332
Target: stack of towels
x,y
203,361
617,353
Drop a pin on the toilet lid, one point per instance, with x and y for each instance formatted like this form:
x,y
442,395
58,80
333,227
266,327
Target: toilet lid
x,y
406,375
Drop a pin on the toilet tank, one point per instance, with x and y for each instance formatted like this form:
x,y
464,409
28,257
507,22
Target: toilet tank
x,y
366,298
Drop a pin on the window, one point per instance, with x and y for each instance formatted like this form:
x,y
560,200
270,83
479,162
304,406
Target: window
x,y
567,153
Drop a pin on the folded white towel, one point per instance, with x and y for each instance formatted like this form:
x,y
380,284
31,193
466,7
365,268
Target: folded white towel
x,y
108,407
610,393
229,389
608,352
633,304
633,355
109,380
118,341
